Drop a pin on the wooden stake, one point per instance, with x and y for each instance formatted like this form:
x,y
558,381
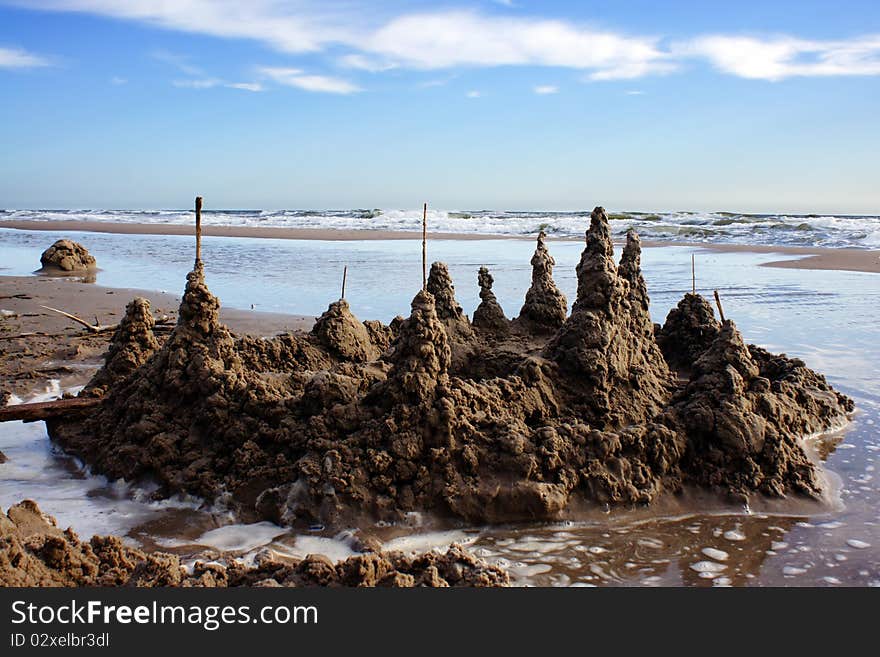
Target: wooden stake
x,y
718,303
198,228
46,410
424,247
693,275
344,276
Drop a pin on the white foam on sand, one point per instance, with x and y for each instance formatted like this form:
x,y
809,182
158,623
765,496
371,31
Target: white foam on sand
x,y
713,553
429,541
240,538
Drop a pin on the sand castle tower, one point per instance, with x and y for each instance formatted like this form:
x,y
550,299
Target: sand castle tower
x,y
489,315
440,286
132,344
689,330
608,340
421,356
341,332
545,307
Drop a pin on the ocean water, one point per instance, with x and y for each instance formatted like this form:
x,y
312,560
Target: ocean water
x,y
710,227
827,318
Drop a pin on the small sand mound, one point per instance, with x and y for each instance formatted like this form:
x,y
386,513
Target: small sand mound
x,y
67,256
489,316
341,332
689,330
132,344
35,552
545,307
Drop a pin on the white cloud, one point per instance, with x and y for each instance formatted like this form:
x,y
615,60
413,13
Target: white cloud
x,y
781,57
211,83
18,58
292,26
451,39
545,89
364,63
206,83
294,77
180,62
246,86
473,94
375,39
118,80
635,92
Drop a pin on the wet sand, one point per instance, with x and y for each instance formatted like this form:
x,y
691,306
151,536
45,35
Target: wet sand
x,y
862,260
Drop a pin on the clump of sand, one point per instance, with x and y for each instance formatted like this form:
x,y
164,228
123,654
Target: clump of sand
x,y
689,330
34,551
490,426
341,332
489,316
132,344
67,256
545,307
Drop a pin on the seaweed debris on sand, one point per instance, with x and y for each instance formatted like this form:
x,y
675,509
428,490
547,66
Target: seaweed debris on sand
x,y
34,551
360,420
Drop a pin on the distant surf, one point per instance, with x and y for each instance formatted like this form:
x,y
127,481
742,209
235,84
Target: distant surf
x,y
710,227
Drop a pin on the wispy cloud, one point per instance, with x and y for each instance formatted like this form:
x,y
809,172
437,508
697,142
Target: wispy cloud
x,y
454,39
246,86
780,57
365,63
118,80
371,37
546,89
16,58
634,92
211,83
294,77
205,83
474,94
180,62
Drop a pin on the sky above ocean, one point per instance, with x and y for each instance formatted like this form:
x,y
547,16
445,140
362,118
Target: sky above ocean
x,y
518,105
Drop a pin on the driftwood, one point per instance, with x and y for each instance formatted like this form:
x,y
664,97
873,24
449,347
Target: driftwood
x,y
94,328
46,410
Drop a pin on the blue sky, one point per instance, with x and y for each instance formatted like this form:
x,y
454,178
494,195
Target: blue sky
x,y
746,106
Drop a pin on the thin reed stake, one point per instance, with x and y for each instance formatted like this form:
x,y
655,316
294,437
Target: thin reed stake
x,y
718,303
344,276
693,275
198,228
424,247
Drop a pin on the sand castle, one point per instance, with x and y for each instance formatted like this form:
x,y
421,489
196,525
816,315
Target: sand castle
x,y
494,421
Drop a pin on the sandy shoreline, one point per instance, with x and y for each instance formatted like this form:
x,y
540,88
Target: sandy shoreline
x,y
862,260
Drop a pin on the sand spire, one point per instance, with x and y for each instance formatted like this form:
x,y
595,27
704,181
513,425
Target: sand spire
x,y
545,307
489,315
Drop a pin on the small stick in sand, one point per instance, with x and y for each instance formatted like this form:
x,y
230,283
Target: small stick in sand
x,y
97,328
693,275
424,246
718,303
198,228
344,276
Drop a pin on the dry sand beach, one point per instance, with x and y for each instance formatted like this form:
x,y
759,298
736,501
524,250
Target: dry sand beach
x,y
693,538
